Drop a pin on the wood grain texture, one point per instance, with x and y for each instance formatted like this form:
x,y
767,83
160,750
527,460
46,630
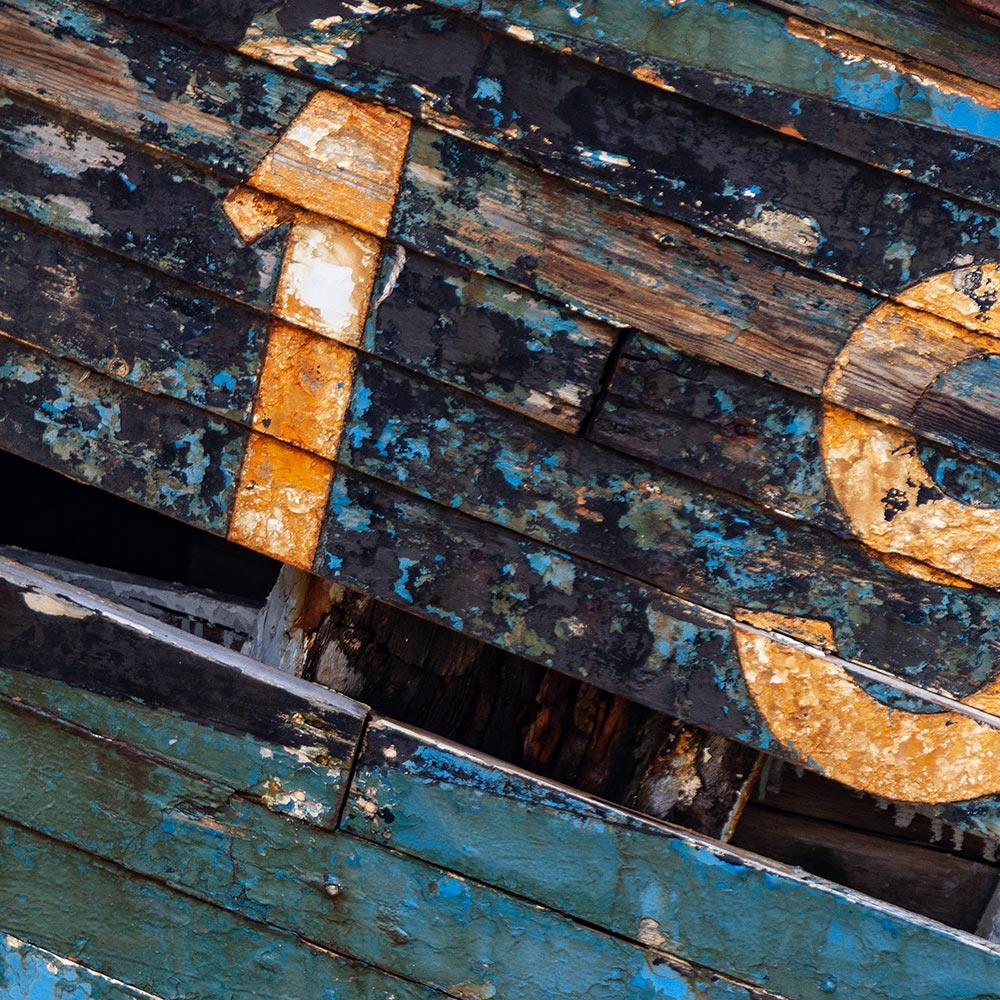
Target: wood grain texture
x,y
330,889
127,321
689,895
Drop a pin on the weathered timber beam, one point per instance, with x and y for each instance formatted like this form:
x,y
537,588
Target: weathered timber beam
x,y
790,74
226,706
664,158
690,896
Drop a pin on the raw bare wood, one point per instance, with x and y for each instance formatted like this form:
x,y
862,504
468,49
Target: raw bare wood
x,y
951,889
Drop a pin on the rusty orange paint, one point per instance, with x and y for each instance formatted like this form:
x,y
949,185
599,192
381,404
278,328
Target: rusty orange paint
x,y
828,721
280,501
304,390
340,158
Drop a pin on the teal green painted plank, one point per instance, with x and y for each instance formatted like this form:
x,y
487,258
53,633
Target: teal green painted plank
x,y
788,931
30,973
244,726
137,930
331,889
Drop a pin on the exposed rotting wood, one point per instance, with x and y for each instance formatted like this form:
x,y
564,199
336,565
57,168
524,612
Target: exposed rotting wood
x,y
951,889
698,780
673,890
429,676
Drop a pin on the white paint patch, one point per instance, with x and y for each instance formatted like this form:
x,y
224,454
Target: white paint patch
x,y
74,213
296,803
55,148
521,34
317,280
49,604
787,231
649,933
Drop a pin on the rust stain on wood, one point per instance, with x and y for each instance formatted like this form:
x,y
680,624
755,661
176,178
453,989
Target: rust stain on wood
x,y
281,501
817,710
304,390
339,158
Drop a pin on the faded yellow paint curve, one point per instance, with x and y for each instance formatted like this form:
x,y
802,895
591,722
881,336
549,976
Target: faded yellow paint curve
x,y
874,469
816,709
304,390
877,474
280,501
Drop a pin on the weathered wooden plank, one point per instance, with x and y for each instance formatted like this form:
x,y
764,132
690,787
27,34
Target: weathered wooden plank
x,y
791,74
157,87
764,442
838,92
330,889
30,973
673,890
153,450
147,83
930,32
503,342
785,211
238,714
679,173
727,343
699,545
128,321
222,619
485,336
120,197
138,930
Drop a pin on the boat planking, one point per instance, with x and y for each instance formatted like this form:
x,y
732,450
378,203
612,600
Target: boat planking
x,y
191,859
582,360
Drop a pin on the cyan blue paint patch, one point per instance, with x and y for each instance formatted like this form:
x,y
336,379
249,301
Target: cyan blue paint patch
x,y
488,88
224,380
405,565
361,400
